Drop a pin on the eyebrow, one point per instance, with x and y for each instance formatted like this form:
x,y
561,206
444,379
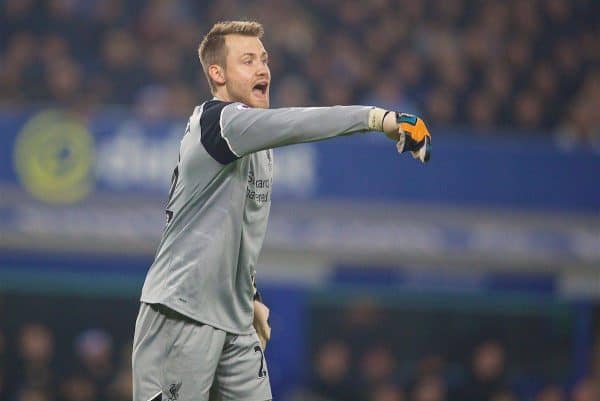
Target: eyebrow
x,y
254,54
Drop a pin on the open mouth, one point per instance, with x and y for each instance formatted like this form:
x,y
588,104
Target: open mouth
x,y
260,88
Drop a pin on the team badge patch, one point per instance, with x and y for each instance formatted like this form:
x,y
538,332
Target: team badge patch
x,y
174,391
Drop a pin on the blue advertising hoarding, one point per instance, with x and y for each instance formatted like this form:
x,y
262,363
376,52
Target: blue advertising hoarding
x,y
45,151
98,184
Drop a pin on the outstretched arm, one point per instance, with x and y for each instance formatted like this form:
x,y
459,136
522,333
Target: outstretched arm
x,y
238,130
249,129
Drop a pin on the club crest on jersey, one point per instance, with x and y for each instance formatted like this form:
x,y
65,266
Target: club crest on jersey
x,y
174,391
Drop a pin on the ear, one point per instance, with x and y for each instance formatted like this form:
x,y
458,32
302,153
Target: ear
x,y
217,74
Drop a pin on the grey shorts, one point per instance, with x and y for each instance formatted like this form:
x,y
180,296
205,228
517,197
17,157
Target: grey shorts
x,y
178,359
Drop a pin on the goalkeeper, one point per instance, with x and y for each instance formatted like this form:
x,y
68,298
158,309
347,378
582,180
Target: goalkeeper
x,y
201,329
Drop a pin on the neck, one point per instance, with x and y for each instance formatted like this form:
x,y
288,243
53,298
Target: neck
x,y
222,94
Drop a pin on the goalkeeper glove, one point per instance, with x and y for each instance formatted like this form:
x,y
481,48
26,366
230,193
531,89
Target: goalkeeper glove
x,y
414,137
407,130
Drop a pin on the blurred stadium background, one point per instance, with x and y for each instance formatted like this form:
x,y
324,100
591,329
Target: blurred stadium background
x,y
474,278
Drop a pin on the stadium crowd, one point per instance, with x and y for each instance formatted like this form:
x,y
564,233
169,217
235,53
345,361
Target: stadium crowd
x,y
378,378
96,366
359,360
31,368
515,65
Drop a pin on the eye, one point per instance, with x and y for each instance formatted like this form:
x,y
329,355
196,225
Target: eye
x,y
248,62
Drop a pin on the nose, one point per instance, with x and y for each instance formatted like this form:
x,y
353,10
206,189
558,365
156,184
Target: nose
x,y
263,70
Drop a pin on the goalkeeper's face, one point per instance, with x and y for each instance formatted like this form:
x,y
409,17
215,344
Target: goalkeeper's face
x,y
247,74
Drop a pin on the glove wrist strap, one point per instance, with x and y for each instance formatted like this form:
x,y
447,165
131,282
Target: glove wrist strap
x,y
376,116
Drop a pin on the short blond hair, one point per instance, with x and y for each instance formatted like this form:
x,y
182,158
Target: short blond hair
x,y
212,49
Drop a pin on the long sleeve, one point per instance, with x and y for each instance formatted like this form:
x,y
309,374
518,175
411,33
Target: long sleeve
x,y
248,130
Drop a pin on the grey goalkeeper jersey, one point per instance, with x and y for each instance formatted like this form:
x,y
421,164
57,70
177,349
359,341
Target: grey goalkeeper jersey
x,y
219,204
